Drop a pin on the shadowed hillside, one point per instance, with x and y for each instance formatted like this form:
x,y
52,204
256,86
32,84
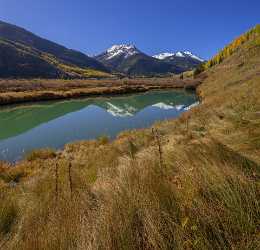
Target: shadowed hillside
x,y
25,55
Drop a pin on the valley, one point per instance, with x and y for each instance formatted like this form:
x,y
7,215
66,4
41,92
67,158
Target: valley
x,y
26,55
117,171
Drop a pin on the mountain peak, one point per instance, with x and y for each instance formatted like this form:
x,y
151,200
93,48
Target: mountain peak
x,y
163,55
125,50
121,46
186,54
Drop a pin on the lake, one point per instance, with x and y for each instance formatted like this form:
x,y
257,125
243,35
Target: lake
x,y
53,124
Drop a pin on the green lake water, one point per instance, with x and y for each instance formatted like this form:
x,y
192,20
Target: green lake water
x,y
53,124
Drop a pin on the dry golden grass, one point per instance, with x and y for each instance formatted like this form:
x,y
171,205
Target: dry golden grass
x,y
17,91
193,183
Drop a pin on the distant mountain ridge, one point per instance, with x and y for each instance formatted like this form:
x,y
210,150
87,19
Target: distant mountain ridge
x,y
186,54
26,55
182,59
128,59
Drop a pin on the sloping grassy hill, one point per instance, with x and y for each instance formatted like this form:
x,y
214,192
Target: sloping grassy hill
x,y
20,61
190,183
19,35
252,36
25,55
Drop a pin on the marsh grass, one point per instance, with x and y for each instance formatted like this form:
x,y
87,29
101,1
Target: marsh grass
x,y
19,90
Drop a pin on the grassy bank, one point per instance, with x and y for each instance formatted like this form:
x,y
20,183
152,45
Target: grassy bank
x,y
190,183
17,91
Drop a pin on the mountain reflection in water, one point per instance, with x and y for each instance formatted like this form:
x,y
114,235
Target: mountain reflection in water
x,y
53,124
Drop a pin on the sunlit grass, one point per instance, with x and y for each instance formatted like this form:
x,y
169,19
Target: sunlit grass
x,y
191,183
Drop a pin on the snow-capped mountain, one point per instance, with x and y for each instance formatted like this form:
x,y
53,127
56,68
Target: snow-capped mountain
x,y
188,53
127,59
167,55
185,60
162,56
117,53
125,50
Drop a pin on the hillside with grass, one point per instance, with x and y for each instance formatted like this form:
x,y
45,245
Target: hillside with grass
x,y
25,55
251,35
189,183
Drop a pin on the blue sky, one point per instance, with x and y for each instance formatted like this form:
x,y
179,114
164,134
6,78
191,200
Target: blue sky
x,y
91,26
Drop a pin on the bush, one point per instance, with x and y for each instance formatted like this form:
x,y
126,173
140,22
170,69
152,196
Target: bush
x,y
41,154
103,139
8,216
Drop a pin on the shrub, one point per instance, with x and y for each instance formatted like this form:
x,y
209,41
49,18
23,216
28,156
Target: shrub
x,y
103,139
8,215
42,154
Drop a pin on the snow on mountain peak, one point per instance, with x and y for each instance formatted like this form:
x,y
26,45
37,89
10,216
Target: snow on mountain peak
x,y
122,49
165,55
193,56
180,54
121,46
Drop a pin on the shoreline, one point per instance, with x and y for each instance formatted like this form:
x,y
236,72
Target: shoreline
x,y
26,91
22,156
